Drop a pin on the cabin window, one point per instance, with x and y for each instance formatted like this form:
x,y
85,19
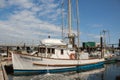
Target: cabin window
x,y
53,51
42,50
61,51
48,50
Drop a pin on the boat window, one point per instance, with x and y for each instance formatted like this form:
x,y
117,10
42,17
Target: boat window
x,y
53,51
61,51
48,50
42,50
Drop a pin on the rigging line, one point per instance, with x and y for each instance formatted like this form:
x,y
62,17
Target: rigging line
x,y
60,6
109,37
62,14
64,17
59,3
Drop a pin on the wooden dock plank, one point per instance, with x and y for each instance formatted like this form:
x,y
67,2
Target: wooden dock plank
x,y
1,72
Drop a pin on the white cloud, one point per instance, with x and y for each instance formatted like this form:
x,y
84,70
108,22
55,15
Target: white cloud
x,y
35,9
24,24
2,3
22,3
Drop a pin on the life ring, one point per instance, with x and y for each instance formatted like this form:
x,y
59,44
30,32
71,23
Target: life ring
x,y
72,56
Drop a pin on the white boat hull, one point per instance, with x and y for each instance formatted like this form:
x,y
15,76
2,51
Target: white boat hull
x,y
31,64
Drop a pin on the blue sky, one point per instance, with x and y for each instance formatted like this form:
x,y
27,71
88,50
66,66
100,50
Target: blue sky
x,y
29,21
98,15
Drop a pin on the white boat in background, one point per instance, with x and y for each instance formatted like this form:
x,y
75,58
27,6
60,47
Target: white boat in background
x,y
54,55
3,53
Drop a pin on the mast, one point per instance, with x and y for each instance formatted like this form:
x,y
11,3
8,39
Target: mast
x,y
78,24
71,36
104,35
69,18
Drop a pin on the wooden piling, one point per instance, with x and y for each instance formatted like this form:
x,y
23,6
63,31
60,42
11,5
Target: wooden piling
x,y
101,43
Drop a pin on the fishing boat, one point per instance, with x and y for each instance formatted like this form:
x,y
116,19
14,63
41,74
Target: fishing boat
x,y
63,60
55,55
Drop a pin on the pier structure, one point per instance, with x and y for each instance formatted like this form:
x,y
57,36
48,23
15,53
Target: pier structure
x,y
3,74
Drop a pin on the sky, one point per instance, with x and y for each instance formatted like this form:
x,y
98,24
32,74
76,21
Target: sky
x,y
29,21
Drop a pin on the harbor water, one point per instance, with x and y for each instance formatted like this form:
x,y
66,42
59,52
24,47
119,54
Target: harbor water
x,y
108,72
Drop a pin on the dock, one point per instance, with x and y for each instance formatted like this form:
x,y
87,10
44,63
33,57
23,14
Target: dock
x,y
3,74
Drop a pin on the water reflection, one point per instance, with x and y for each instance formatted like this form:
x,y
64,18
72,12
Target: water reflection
x,y
109,72
89,75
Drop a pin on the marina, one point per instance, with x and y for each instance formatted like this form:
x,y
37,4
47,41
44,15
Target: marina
x,y
56,55
66,46
110,71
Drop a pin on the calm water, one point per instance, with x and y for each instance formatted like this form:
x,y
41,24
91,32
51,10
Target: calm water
x,y
109,72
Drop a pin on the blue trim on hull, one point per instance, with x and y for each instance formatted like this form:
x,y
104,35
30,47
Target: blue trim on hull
x,y
77,68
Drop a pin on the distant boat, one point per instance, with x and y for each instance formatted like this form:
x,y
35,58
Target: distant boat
x,y
3,53
55,56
